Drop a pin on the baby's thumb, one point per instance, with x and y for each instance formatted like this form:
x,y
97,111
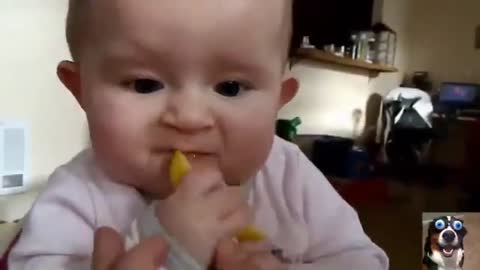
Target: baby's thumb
x,y
108,248
227,254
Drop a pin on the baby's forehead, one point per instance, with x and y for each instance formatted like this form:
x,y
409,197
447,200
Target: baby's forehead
x,y
192,5
260,21
272,14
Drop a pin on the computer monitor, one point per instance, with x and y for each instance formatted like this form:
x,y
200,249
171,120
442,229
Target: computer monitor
x,y
459,95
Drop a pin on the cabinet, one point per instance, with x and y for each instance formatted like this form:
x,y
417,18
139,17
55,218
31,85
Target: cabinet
x,y
332,21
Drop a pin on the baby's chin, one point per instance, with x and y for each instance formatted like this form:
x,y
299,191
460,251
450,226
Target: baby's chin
x,y
236,182
155,184
153,191
159,190
151,186
148,195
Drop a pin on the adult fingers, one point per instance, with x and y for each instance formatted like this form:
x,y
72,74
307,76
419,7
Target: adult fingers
x,y
150,254
108,248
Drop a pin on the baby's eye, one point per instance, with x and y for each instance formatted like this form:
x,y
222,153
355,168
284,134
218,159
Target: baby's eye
x,y
146,86
230,88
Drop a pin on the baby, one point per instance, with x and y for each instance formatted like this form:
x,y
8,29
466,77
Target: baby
x,y
206,78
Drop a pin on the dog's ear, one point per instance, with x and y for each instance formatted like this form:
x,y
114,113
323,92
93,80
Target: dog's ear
x,y
431,228
427,247
425,261
464,230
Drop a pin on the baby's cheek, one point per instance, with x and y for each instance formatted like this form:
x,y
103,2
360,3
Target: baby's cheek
x,y
129,161
121,133
115,146
248,150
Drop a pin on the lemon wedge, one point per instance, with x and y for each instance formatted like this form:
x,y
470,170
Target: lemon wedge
x,y
251,234
179,167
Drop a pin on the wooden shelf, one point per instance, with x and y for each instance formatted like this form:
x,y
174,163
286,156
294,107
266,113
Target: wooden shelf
x,y
322,56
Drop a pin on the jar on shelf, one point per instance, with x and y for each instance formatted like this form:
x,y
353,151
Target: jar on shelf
x,y
385,44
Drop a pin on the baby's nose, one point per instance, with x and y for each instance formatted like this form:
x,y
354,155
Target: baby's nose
x,y
188,113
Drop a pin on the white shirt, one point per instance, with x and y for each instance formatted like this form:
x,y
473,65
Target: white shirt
x,y
288,192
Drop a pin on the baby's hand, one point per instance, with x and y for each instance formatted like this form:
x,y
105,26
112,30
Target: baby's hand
x,y
202,211
109,252
231,255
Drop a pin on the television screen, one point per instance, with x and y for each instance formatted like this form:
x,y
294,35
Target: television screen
x,y
459,93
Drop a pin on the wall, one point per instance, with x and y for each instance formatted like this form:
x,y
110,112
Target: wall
x,y
397,15
443,43
328,96
32,45
443,34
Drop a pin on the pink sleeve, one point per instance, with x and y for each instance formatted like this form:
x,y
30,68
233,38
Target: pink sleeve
x,y
58,231
337,240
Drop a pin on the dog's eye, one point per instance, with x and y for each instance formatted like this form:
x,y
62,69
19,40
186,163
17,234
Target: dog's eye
x,y
457,225
440,224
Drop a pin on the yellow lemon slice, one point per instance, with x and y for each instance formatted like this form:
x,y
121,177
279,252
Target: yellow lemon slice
x,y
179,167
251,234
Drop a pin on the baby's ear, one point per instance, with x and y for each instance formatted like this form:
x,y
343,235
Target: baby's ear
x,y
289,89
69,75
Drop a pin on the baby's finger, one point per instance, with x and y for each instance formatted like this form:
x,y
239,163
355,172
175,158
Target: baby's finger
x,y
200,183
228,253
226,201
237,220
257,247
150,254
108,248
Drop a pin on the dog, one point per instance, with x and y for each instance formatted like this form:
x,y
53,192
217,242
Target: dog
x,y
443,248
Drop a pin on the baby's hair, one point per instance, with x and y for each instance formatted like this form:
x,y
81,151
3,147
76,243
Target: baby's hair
x,y
295,35
76,26
78,19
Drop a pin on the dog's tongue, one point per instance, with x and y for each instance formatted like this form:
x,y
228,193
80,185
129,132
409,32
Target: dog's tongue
x,y
449,249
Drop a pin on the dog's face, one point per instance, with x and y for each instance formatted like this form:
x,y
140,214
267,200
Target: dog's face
x,y
445,239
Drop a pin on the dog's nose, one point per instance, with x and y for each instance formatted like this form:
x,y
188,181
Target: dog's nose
x,y
448,236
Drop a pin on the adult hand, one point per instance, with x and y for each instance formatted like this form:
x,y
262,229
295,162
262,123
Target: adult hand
x,y
109,252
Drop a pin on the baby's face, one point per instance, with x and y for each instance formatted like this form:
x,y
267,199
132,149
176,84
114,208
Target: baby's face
x,y
204,77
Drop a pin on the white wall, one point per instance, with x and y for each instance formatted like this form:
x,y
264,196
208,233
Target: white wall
x,y
443,39
327,98
32,43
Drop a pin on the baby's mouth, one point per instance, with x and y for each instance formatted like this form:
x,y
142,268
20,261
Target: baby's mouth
x,y
200,159
191,156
